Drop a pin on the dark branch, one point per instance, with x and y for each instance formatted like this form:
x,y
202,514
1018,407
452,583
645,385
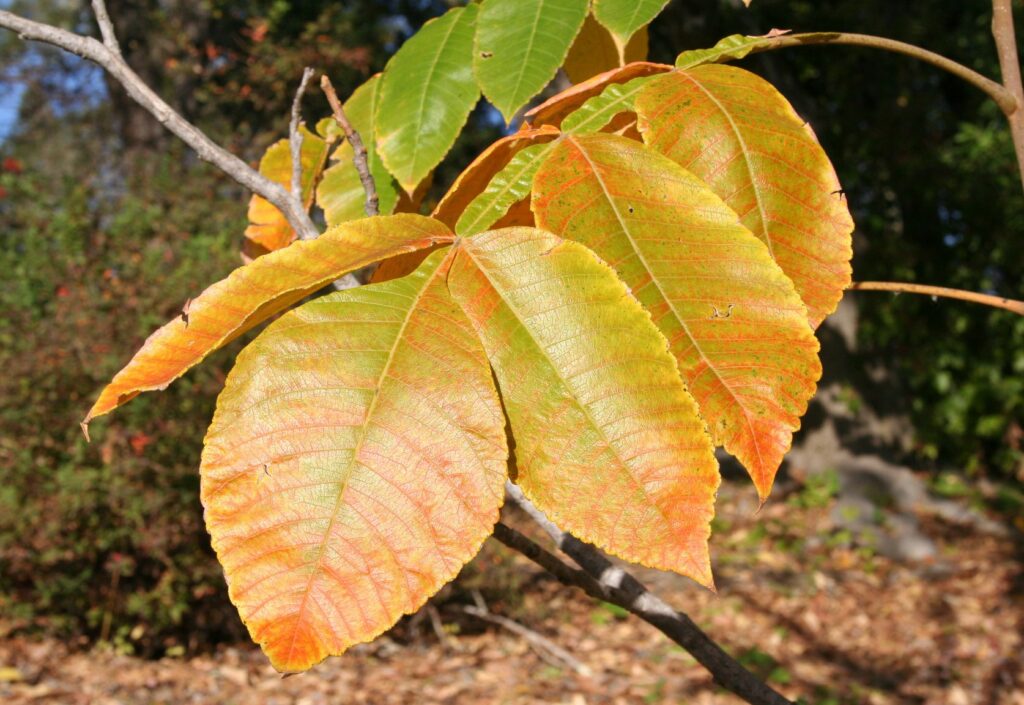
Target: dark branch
x,y
102,55
600,579
360,156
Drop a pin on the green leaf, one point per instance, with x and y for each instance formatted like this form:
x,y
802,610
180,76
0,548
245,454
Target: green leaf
x,y
341,194
508,186
520,45
731,48
624,17
734,131
427,93
732,318
356,462
598,111
608,442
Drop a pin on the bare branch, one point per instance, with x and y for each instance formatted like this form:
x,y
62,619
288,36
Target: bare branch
x,y
1009,66
538,641
601,579
295,143
972,296
99,8
101,54
359,154
1003,97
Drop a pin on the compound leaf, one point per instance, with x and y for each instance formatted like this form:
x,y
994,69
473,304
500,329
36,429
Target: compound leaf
x,y
732,318
608,441
356,462
507,187
426,95
520,45
734,131
255,292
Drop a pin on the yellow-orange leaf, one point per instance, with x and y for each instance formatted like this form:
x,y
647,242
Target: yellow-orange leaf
x,y
737,133
255,292
596,51
732,317
608,441
356,461
554,109
268,227
476,177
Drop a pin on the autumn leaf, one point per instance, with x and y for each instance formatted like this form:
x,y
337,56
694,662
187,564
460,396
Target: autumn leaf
x,y
355,463
734,131
520,45
596,51
555,109
624,18
507,187
268,227
608,442
731,48
253,293
732,318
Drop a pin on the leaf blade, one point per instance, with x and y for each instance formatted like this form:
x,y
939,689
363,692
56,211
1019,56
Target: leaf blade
x,y
733,319
520,45
356,461
256,291
733,130
427,93
623,18
620,458
507,187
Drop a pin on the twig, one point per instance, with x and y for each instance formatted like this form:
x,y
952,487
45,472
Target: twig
x,y
540,642
906,287
208,150
604,581
1003,97
1009,66
437,625
360,156
295,141
99,8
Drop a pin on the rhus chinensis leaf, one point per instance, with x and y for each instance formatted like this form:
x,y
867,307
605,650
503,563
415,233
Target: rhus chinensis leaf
x,y
739,135
732,318
255,292
268,228
355,463
608,441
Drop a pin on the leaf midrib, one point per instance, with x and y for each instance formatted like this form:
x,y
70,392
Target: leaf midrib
x,y
654,279
347,472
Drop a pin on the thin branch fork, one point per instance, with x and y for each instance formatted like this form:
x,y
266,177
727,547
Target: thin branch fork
x,y
945,292
107,55
360,157
295,144
599,578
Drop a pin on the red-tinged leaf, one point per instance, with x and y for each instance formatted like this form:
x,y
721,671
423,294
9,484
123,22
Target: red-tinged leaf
x,y
268,227
732,317
356,462
255,292
608,441
475,177
734,131
554,109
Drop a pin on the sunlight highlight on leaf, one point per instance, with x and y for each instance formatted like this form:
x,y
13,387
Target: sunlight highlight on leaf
x,y
356,462
608,441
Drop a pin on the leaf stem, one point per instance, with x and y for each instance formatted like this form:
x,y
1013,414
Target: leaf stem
x,y
945,292
1006,99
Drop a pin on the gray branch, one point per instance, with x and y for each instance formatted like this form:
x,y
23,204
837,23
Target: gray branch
x,y
601,579
295,143
110,60
99,9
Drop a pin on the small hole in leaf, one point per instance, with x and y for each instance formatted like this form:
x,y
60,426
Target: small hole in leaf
x,y
486,54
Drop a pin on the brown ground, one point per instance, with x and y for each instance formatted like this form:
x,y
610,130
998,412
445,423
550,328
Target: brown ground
x,y
798,603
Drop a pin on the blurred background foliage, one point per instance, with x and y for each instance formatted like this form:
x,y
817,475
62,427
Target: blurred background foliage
x,y
107,226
